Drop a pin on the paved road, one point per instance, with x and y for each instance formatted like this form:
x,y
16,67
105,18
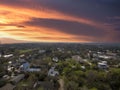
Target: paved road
x,y
61,82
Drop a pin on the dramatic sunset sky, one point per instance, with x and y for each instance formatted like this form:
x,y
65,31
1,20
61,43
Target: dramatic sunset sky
x,y
59,21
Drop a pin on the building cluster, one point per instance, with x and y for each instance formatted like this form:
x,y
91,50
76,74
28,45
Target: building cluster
x,y
38,61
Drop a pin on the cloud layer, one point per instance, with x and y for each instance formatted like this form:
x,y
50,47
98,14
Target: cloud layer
x,y
60,20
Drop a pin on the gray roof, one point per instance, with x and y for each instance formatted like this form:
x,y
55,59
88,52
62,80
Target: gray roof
x,y
16,79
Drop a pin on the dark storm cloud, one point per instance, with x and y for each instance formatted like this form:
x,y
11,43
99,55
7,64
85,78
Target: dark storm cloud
x,y
93,9
114,22
103,11
76,7
74,28
97,10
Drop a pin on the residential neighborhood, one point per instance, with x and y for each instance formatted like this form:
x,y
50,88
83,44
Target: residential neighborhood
x,y
59,67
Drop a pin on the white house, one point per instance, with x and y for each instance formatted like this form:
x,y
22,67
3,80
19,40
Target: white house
x,y
102,65
104,56
55,59
7,56
52,72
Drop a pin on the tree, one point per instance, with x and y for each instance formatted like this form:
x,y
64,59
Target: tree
x,y
2,82
113,78
97,79
71,85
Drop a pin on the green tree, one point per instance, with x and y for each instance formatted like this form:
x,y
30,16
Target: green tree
x,y
71,85
113,78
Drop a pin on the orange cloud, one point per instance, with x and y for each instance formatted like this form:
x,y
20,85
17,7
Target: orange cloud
x,y
12,18
40,34
23,14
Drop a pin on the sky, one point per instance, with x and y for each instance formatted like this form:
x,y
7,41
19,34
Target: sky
x,y
59,21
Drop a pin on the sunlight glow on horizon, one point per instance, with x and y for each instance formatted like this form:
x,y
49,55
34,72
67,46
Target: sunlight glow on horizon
x,y
27,23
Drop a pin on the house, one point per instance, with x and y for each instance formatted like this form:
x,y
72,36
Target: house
x,y
10,68
24,66
102,65
21,60
41,51
55,59
7,56
16,79
21,56
77,58
83,67
34,70
104,57
52,72
6,77
10,62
